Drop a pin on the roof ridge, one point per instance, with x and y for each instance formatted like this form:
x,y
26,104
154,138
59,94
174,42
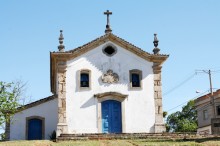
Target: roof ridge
x,y
207,95
103,37
111,34
37,102
132,44
82,46
138,47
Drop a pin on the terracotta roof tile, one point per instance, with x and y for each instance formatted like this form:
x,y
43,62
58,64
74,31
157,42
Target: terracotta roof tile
x,y
201,98
104,37
38,102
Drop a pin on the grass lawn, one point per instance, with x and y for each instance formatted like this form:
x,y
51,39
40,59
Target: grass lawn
x,y
141,142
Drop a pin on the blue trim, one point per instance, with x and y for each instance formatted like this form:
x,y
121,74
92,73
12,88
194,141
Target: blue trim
x,y
111,117
135,80
35,129
84,77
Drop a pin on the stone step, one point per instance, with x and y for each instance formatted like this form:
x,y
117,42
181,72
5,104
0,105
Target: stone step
x,y
101,136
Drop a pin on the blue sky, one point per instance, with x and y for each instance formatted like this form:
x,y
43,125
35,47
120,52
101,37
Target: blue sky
x,y
187,30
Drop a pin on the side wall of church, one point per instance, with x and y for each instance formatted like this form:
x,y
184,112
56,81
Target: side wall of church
x,y
82,106
47,110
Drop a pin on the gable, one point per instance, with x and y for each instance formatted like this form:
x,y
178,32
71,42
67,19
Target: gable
x,y
117,40
120,61
63,57
36,103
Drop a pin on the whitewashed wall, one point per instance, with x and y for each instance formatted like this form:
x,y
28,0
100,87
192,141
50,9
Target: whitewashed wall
x,y
205,130
82,106
48,110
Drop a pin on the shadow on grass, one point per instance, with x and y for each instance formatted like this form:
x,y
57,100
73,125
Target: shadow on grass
x,y
200,140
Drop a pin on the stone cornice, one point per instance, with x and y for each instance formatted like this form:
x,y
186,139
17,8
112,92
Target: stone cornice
x,y
115,94
160,58
156,68
61,66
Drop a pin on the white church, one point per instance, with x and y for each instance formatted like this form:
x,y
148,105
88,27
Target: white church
x,y
105,86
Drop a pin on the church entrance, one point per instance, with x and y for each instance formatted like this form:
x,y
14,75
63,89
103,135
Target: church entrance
x,y
35,129
111,116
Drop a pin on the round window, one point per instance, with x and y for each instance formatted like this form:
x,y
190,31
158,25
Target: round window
x,y
109,50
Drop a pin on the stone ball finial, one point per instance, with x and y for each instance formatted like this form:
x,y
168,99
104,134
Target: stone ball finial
x,y
61,38
156,42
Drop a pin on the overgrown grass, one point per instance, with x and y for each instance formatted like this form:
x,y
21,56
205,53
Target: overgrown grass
x,y
140,142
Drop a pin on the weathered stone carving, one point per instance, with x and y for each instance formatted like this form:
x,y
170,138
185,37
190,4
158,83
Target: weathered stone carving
x,y
61,82
110,77
62,126
159,124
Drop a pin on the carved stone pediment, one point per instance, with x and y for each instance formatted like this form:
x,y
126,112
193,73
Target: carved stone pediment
x,y
110,77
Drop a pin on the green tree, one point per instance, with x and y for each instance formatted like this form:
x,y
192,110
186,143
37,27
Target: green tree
x,y
164,114
184,121
10,100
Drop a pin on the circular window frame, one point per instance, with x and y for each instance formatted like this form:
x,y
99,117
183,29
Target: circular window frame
x,y
109,45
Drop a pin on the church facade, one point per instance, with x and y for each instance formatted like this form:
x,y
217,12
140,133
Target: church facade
x,y
105,86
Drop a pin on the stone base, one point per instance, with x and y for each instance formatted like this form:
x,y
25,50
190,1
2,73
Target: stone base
x,y
61,128
112,136
215,126
159,128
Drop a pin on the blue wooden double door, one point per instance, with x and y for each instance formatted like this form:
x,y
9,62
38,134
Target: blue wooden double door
x,y
111,117
35,129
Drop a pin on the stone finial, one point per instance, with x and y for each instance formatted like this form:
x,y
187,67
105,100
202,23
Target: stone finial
x,y
108,28
61,46
156,50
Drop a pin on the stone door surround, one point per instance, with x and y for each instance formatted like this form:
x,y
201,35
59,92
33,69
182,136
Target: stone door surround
x,y
110,96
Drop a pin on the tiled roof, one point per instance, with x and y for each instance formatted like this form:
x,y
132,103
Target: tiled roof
x,y
103,37
201,98
38,102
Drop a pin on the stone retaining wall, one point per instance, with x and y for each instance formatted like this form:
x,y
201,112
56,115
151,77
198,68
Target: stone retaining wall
x,y
159,136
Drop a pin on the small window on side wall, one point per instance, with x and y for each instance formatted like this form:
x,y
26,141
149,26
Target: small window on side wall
x,y
85,79
205,115
135,78
218,110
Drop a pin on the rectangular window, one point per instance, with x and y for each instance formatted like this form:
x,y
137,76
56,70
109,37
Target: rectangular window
x,y
135,78
84,80
218,110
205,115
216,124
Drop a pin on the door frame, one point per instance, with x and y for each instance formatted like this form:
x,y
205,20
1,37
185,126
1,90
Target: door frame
x,y
110,96
43,125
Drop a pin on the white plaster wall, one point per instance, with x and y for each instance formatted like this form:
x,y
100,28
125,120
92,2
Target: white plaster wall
x,y
48,110
82,106
205,130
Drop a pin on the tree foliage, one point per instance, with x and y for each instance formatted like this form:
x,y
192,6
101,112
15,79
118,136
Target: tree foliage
x,y
164,114
184,121
10,96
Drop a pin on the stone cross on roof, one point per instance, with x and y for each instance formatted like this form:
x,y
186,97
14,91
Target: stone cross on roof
x,y
108,29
